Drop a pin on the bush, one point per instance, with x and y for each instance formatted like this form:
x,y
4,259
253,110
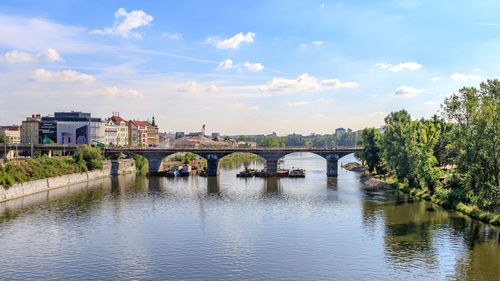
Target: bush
x,y
89,158
141,164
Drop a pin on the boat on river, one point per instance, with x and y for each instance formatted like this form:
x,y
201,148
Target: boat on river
x,y
246,173
297,173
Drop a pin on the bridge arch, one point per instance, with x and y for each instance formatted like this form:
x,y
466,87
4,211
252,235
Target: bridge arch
x,y
331,158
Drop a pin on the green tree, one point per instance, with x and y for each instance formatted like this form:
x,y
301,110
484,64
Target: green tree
x,y
370,140
475,140
89,157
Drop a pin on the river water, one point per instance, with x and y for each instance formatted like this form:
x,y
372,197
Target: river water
x,y
316,228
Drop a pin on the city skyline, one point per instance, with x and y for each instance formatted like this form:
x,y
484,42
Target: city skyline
x,y
286,67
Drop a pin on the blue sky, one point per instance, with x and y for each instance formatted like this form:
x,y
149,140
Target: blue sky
x,y
243,67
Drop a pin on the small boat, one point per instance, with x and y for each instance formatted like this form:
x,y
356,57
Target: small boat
x,y
246,173
185,171
297,173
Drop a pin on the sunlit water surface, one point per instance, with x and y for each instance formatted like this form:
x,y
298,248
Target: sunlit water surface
x,y
317,228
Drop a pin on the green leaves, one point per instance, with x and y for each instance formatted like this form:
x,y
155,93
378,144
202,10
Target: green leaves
x,y
475,140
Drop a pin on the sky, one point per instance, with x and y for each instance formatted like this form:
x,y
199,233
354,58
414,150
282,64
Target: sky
x,y
243,67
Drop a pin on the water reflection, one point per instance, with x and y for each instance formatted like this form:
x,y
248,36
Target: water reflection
x,y
272,186
213,185
241,228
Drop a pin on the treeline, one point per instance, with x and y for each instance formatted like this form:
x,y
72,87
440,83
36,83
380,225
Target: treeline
x,y
347,139
454,159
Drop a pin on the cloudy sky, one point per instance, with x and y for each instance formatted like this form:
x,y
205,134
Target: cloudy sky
x,y
243,67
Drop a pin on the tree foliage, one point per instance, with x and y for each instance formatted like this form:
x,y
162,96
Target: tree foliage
x,y
475,140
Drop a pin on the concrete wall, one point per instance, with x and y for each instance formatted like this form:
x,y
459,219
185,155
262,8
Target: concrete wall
x,y
114,167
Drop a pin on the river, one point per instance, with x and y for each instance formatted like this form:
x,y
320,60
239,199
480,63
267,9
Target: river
x,y
315,228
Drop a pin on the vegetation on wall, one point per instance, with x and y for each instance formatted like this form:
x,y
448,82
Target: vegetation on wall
x,y
87,158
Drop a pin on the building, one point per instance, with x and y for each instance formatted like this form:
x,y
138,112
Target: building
x,y
121,128
72,128
142,133
153,138
133,134
11,133
179,135
111,132
30,129
339,131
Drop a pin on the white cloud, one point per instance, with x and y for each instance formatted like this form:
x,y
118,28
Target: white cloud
x,y
15,56
406,92
315,43
227,64
125,23
377,114
436,79
305,82
254,66
235,105
400,67
114,92
233,42
254,108
67,76
173,36
192,87
298,103
430,103
463,77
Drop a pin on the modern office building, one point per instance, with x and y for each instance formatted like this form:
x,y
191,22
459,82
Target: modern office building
x,y
72,128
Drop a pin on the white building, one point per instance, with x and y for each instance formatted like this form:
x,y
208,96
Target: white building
x,y
80,132
121,129
111,132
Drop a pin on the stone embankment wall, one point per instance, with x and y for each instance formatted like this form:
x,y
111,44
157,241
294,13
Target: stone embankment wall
x,y
114,167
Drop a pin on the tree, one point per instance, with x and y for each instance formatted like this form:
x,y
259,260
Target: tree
x,y
370,140
4,139
475,140
89,157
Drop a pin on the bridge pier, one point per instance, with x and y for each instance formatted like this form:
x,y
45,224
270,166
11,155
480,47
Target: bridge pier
x,y
272,158
212,167
213,160
155,161
332,162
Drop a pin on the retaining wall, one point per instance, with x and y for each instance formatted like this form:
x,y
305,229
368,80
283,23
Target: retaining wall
x,y
114,167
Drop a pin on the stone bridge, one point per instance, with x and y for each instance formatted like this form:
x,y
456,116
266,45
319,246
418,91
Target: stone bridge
x,y
155,156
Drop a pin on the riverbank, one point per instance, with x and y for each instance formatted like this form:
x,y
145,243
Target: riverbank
x,y
109,167
370,183
440,197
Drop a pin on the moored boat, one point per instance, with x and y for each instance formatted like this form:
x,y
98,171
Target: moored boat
x,y
297,173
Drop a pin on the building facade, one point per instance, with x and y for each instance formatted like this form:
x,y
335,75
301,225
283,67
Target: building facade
x,y
72,128
11,133
111,132
153,137
339,131
122,130
30,129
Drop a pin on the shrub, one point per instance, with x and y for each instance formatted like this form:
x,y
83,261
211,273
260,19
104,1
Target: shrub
x,y
141,164
90,156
